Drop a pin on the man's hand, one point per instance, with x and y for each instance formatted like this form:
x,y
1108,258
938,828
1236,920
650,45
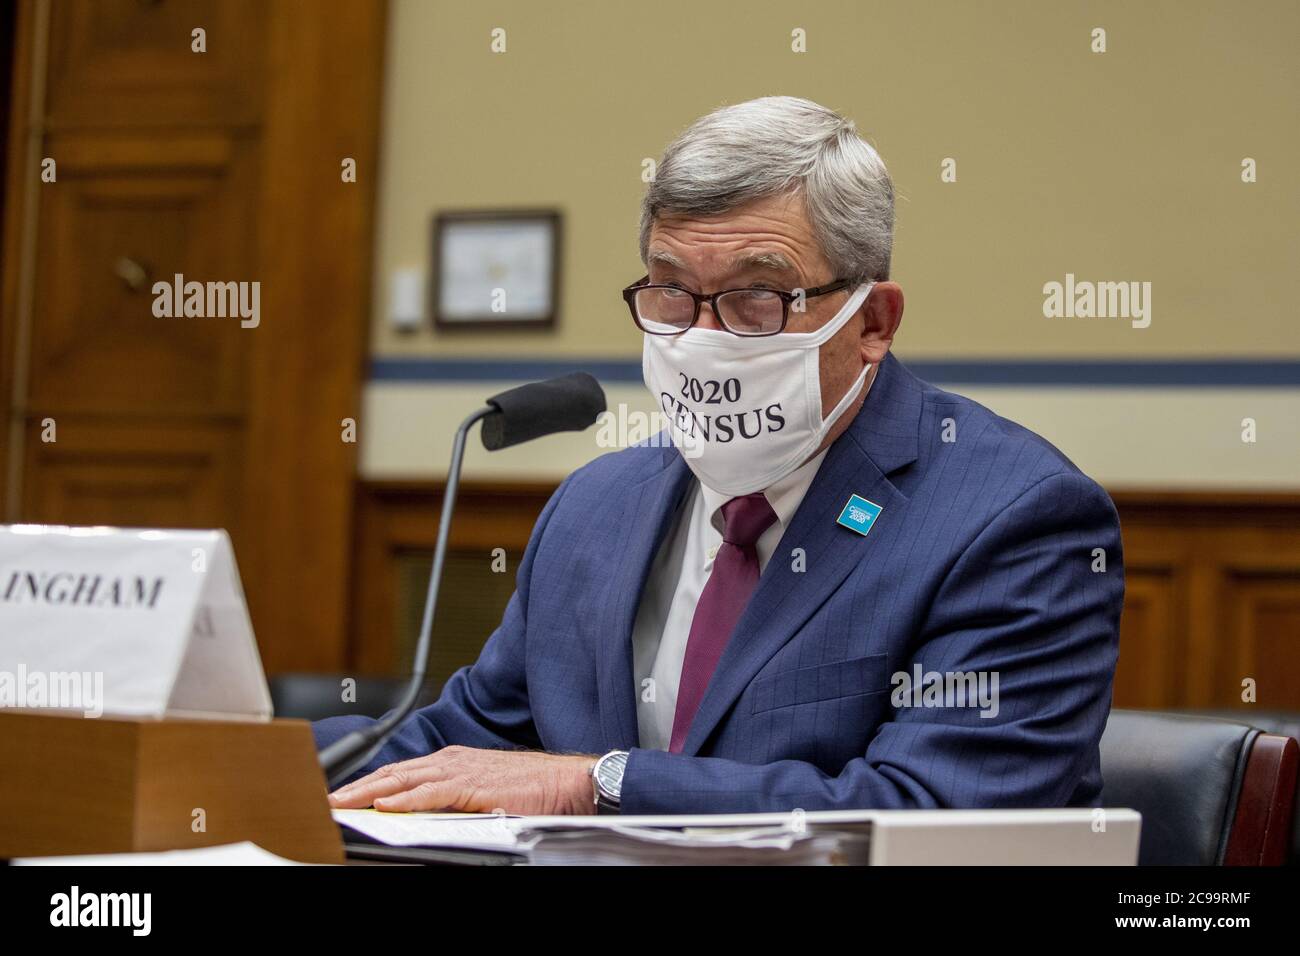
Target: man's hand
x,y
476,781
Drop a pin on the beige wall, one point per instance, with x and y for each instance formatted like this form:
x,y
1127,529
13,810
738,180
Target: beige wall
x,y
1123,165
1118,166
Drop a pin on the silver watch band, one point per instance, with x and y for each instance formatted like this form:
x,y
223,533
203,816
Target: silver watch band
x,y
607,781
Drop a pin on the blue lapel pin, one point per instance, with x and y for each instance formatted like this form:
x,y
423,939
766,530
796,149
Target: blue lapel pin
x,y
859,514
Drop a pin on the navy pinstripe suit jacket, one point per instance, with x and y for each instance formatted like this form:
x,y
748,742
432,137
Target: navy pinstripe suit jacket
x,y
984,560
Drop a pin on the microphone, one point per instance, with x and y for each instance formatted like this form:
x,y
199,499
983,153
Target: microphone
x,y
568,403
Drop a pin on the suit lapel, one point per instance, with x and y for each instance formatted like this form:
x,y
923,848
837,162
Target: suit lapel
x,y
648,512
882,439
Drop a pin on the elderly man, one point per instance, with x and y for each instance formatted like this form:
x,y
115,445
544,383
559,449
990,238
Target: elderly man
x,y
836,587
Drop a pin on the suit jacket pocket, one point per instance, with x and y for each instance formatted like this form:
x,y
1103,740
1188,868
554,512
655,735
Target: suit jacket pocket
x,y
806,685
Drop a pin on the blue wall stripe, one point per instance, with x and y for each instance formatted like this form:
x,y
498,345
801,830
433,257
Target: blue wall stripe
x,y
499,370
1230,373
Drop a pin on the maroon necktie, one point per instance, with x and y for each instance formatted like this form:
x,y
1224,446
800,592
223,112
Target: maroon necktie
x,y
731,582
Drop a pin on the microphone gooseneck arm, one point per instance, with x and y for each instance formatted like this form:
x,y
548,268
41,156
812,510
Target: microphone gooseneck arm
x,y
566,403
342,758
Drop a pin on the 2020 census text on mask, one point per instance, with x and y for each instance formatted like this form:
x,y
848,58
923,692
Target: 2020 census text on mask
x,y
746,411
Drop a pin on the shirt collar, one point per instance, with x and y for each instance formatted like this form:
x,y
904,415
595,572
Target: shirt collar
x,y
784,494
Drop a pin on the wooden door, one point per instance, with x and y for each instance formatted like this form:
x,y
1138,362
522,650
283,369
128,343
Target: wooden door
x,y
222,166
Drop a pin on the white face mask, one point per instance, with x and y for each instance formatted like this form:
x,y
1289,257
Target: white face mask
x,y
745,412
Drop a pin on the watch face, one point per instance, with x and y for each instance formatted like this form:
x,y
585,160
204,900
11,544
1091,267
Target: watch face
x,y
609,773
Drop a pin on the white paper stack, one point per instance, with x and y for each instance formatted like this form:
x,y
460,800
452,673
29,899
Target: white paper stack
x,y
781,840
1039,837
691,846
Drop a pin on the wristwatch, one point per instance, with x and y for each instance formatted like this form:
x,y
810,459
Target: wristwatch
x,y
607,781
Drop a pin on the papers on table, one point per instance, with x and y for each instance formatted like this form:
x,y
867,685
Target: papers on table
x,y
723,846
475,831
776,839
1077,836
853,837
231,854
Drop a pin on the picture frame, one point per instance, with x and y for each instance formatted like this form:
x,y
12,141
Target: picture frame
x,y
495,269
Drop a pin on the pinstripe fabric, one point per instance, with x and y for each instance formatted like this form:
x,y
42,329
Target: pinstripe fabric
x,y
981,561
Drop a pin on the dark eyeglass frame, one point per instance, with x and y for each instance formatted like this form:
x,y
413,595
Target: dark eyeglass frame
x,y
629,296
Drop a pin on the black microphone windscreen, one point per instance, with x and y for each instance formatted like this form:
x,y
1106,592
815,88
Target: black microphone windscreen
x,y
569,403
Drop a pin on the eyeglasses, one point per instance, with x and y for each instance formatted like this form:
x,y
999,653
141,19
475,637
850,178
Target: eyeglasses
x,y
671,310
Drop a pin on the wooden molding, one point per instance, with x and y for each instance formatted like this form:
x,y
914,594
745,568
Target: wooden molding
x,y
394,518
307,360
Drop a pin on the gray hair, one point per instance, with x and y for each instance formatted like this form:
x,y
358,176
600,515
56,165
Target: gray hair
x,y
783,145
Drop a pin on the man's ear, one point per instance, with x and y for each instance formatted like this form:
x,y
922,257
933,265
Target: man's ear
x,y
882,312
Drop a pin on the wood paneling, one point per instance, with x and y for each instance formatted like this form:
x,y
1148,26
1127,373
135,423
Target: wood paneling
x,y
168,205
153,474
1151,646
130,62
1213,599
315,236
396,520
1212,596
1263,614
19,191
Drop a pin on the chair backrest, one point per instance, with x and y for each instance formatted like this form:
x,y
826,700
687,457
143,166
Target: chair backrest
x,y
1210,791
1285,723
316,696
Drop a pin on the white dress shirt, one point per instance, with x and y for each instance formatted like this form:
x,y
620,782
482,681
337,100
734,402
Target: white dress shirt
x,y
678,575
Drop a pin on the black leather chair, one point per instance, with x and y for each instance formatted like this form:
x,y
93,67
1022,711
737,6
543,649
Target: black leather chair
x,y
1210,791
315,696
1285,723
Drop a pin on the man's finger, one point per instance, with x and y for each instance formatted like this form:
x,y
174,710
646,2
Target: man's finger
x,y
382,783
430,795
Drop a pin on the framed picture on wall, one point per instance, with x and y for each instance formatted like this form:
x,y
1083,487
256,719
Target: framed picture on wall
x,y
495,269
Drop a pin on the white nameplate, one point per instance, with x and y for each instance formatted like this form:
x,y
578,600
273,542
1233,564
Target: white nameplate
x,y
129,622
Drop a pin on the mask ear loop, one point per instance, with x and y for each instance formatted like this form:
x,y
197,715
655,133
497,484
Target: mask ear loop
x,y
847,311
818,425
812,369
848,399
850,308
